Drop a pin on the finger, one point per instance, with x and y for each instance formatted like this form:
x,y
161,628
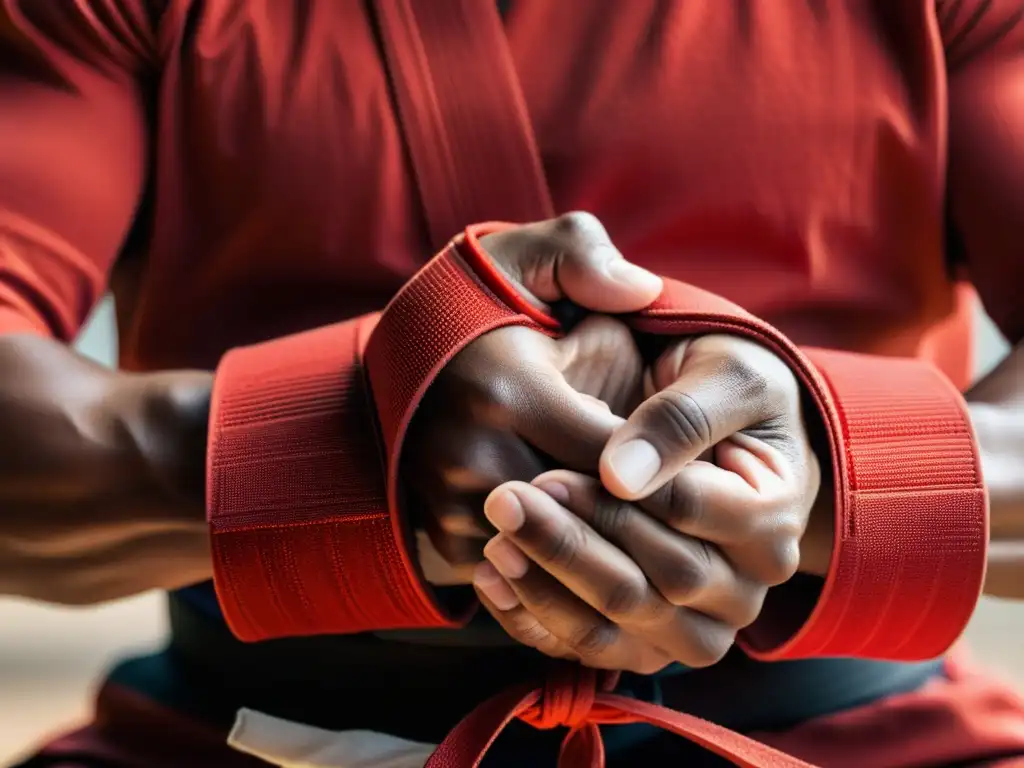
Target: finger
x,y
572,257
718,504
457,466
564,424
752,504
462,455
453,567
511,380
503,604
716,393
603,577
686,571
600,359
456,549
455,533
588,635
567,402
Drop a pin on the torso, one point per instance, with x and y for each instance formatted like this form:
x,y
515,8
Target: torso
x,y
786,155
789,156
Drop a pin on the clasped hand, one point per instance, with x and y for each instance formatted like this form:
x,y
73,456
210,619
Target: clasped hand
x,y
631,517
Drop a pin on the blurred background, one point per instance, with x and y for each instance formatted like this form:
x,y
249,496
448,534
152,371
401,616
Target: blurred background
x,y
50,658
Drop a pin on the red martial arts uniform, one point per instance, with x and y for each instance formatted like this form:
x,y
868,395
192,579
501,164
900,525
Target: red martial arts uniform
x,y
238,170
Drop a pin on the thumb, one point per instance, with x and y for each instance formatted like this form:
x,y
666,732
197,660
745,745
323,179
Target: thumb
x,y
709,400
572,257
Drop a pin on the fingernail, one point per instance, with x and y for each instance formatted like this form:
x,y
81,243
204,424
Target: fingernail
x,y
504,511
634,276
487,579
506,558
556,491
635,464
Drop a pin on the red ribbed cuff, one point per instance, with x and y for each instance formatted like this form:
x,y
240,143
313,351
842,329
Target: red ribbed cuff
x,y
911,509
295,486
304,543
911,524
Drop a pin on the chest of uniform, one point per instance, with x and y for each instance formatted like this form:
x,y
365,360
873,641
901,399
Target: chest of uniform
x,y
704,111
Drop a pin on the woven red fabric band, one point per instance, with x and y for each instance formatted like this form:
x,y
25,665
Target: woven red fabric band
x,y
289,451
911,512
911,519
309,535
295,491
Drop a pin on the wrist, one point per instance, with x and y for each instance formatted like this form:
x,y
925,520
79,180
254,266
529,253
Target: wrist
x,y
163,417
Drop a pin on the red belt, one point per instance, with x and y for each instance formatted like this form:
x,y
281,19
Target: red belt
x,y
309,535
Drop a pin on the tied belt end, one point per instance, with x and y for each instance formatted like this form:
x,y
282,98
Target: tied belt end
x,y
581,699
569,699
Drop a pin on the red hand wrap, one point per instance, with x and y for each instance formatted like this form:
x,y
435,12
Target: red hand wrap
x,y
305,540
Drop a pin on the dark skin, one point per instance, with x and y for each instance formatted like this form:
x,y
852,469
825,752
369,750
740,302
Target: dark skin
x,y
705,492
475,432
101,473
100,476
601,573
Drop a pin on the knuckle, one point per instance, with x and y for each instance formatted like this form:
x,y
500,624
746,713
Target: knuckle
x,y
525,628
579,226
709,644
625,599
777,557
783,560
680,502
748,606
680,418
564,546
747,378
612,517
594,640
687,578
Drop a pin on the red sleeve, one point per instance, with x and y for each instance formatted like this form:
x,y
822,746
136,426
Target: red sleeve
x,y
984,41
73,148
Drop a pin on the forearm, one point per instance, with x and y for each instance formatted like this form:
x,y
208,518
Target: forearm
x,y
97,467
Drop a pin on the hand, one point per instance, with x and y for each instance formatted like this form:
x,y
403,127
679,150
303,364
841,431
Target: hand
x,y
674,575
101,477
720,451
515,401
578,574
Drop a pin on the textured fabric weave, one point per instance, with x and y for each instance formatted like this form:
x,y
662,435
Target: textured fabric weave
x,y
880,597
